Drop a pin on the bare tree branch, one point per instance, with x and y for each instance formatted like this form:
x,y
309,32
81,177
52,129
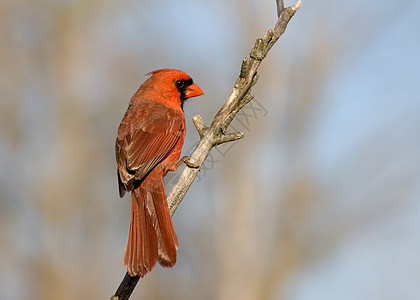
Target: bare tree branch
x,y
240,96
126,287
216,134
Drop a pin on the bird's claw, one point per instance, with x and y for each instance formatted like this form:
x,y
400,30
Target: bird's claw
x,y
190,164
187,161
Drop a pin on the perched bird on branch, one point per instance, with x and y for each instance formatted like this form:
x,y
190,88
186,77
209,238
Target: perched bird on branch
x,y
148,146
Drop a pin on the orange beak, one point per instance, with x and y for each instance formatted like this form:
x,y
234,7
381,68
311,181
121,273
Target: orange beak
x,y
193,91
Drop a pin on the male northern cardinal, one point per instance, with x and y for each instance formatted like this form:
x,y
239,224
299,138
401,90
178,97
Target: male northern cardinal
x,y
148,145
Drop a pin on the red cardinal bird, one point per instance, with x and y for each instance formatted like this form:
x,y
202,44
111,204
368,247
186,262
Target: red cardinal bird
x,y
148,145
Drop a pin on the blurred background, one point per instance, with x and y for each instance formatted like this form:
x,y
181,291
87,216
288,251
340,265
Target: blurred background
x,y
318,201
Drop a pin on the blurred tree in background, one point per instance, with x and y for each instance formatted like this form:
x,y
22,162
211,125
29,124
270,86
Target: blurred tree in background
x,y
318,200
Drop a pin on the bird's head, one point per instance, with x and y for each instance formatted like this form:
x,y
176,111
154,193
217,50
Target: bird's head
x,y
174,85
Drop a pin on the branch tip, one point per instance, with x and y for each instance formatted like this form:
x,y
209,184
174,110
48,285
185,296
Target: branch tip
x,y
258,51
199,124
297,5
268,36
228,137
280,7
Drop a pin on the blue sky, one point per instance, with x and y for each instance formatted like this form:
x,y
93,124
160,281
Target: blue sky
x,y
373,101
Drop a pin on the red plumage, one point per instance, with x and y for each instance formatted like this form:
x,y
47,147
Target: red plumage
x,y
148,145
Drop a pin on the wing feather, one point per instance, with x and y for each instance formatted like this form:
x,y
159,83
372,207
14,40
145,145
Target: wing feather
x,y
146,140
148,149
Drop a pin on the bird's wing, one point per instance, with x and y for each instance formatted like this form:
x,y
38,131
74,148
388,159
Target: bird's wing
x,y
148,141
151,144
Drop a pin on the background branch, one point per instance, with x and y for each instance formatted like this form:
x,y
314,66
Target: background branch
x,y
216,134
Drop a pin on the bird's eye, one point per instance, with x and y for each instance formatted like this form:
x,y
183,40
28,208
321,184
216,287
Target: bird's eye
x,y
180,84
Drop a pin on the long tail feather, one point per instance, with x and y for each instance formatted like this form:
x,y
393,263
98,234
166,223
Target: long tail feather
x,y
151,237
157,206
141,252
